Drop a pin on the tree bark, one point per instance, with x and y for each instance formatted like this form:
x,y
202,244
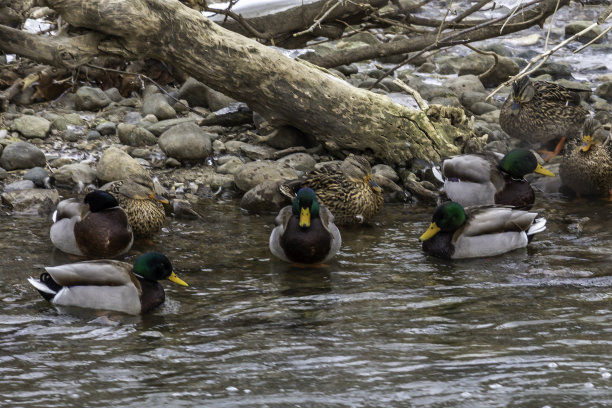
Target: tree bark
x,y
284,91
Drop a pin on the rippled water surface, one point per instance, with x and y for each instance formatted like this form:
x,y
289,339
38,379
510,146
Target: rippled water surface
x,y
383,325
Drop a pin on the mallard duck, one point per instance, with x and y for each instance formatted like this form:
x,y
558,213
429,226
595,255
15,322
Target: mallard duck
x,y
538,112
474,232
490,178
95,227
108,284
347,189
305,231
587,168
145,209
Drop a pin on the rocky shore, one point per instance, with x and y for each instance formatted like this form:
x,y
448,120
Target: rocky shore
x,y
200,144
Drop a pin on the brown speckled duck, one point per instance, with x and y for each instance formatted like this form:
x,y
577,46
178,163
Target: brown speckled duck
x,y
587,167
538,112
347,189
145,210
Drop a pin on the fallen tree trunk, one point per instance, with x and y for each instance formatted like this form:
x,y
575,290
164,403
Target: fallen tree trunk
x,y
284,91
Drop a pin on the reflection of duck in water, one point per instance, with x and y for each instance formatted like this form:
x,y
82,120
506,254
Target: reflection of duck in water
x,y
490,178
474,232
347,189
305,231
538,112
587,167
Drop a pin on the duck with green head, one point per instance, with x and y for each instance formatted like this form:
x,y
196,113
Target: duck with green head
x,y
305,231
489,178
538,112
456,232
108,284
586,167
347,189
94,227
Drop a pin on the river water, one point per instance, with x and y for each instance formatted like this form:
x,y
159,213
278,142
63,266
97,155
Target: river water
x,y
382,325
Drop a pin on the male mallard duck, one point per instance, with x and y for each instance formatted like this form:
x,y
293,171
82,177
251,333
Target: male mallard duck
x,y
95,227
305,231
538,112
490,178
347,189
587,169
108,284
473,232
145,210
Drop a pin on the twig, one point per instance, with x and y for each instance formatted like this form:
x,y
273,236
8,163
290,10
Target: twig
x,y
228,13
414,93
491,53
594,39
317,22
544,57
552,20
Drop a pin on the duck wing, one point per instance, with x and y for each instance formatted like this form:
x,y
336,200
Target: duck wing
x,y
92,273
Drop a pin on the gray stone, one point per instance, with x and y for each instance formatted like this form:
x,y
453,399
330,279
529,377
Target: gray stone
x,y
31,126
228,164
555,69
299,161
288,136
186,141
106,128
449,64
39,201
477,64
254,173
19,185
3,174
38,176
136,136
74,133
115,164
132,118
62,122
158,105
76,174
468,98
264,198
577,26
22,155
385,171
216,100
113,94
91,99
93,135
160,127
194,92
257,152
605,91
480,108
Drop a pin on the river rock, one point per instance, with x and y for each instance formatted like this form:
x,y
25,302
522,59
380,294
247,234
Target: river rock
x,y
264,198
132,118
604,91
477,64
115,164
186,141
76,174
91,99
133,135
39,201
576,26
216,100
555,69
113,94
160,127
287,136
22,155
254,173
194,92
382,170
480,108
38,176
299,161
19,185
31,126
106,128
158,105
228,164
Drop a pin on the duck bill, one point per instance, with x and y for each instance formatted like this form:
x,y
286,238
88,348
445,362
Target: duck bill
x,y
515,108
304,217
177,280
159,198
431,231
587,142
542,170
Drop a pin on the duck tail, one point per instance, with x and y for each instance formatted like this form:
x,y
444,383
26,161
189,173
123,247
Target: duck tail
x,y
539,225
45,285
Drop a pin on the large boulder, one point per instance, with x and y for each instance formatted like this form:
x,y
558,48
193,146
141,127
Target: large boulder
x,y
115,164
186,141
22,155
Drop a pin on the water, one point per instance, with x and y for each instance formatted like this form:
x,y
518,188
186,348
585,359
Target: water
x,y
383,325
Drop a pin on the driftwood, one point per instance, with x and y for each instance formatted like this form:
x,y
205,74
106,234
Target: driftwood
x,y
284,91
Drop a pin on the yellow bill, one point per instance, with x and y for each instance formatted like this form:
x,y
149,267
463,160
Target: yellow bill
x,y
176,279
431,231
544,171
304,217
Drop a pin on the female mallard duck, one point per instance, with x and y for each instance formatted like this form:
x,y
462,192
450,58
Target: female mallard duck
x,y
305,231
587,169
108,284
538,112
145,210
490,178
95,227
347,189
474,232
